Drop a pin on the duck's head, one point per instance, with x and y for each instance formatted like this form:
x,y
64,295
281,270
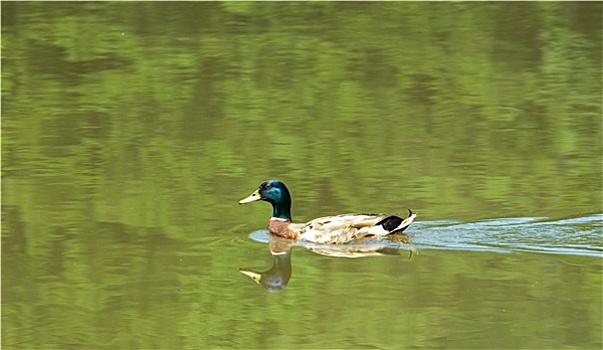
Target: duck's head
x,y
276,193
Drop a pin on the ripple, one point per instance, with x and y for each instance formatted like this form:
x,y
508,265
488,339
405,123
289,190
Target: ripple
x,y
572,236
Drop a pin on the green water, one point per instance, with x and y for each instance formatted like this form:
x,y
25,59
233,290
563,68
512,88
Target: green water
x,y
131,130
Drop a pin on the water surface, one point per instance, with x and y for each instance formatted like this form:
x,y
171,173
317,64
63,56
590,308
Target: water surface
x,y
131,130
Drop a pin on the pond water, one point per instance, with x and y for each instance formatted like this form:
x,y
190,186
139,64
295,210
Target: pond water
x,y
131,130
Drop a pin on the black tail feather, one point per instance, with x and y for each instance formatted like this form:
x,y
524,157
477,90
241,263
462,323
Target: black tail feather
x,y
390,223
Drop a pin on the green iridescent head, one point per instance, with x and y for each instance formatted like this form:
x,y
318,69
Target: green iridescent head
x,y
275,193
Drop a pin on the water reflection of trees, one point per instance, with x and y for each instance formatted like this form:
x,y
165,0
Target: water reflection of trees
x,y
476,104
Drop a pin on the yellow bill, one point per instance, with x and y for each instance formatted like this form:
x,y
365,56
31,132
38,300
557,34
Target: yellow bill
x,y
255,196
254,275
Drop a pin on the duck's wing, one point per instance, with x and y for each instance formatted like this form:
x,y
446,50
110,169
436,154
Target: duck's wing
x,y
332,229
349,227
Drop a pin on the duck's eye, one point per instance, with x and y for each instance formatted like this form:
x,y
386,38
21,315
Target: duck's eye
x,y
268,186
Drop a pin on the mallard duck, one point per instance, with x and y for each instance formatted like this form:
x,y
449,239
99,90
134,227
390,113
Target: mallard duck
x,y
337,229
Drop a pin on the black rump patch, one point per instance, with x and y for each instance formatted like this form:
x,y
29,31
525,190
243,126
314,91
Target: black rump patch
x,y
390,223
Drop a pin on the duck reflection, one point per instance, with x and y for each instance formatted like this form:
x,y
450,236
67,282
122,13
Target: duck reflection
x,y
277,277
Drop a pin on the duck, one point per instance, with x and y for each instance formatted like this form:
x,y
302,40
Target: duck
x,y
337,229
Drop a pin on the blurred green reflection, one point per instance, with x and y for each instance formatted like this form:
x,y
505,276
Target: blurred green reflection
x,y
130,131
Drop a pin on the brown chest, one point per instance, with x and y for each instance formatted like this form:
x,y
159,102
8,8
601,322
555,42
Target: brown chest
x,y
281,228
